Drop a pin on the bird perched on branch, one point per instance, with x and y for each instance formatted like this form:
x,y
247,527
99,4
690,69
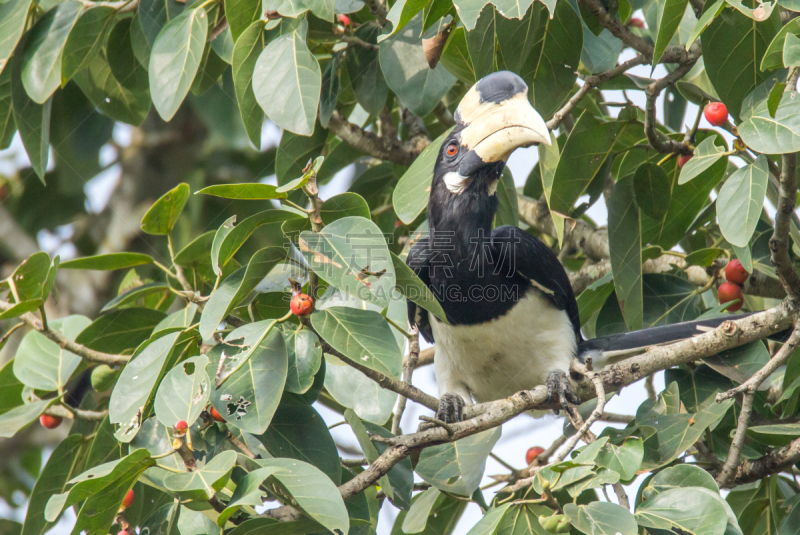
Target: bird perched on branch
x,y
512,316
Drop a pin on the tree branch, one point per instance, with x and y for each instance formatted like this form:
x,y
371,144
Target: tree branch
x,y
779,242
409,364
652,92
732,462
392,150
774,462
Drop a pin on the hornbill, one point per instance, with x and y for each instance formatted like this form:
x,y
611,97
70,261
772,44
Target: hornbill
x,y
512,316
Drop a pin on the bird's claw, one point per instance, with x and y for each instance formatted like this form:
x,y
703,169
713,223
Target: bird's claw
x,y
451,407
558,389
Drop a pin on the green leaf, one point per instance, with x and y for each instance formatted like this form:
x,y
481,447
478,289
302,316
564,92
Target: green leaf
x,y
737,36
238,286
305,357
791,50
741,200
250,393
705,21
184,392
229,240
42,55
18,417
740,363
625,246
481,42
773,57
455,56
345,204
407,73
153,15
108,262
85,40
417,517
668,14
295,151
7,125
601,518
624,459
411,194
99,480
53,480
177,53
331,89
651,186
679,476
33,122
163,215
120,331
524,520
292,103
705,155
241,14
10,388
688,509
299,432
361,335
41,363
415,290
30,276
137,293
365,73
778,135
247,492
458,466
591,300
323,9
775,435
253,191
13,14
355,390
203,483
137,383
469,10
403,11
248,47
351,254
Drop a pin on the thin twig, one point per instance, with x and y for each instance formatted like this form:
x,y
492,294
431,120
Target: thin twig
x,y
241,446
409,364
597,381
735,452
652,92
779,242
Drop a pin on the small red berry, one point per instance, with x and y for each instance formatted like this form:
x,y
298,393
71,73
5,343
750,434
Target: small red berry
x,y
49,422
122,532
735,272
728,292
716,113
344,19
636,22
683,158
533,453
301,304
216,415
128,500
181,426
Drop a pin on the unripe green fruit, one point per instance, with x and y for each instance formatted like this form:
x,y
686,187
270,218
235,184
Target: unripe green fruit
x,y
549,523
563,525
104,377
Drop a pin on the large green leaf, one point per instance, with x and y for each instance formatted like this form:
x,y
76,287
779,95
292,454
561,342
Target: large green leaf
x,y
351,254
679,476
481,41
410,196
407,73
601,518
355,390
323,9
773,57
176,56
705,155
238,286
365,73
470,10
775,435
773,135
7,125
241,14
13,15
668,14
32,120
688,509
201,484
184,392
625,247
455,56
417,517
41,363
331,89
10,388
42,56
120,331
153,15
252,191
651,186
305,357
361,335
108,262
737,36
287,82
247,492
85,40
741,200
250,393
18,417
248,47
415,290
163,215
624,459
458,466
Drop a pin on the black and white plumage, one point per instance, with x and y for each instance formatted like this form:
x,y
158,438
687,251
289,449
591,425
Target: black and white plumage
x,y
513,318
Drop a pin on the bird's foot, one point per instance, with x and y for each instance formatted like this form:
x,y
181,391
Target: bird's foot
x,y
451,407
558,389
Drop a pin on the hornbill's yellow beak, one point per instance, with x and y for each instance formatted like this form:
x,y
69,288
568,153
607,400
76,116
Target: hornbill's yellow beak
x,y
494,119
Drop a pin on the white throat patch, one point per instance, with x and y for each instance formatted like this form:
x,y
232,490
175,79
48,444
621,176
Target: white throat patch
x,y
456,183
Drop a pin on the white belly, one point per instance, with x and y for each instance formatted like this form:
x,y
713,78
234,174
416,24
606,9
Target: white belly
x,y
514,352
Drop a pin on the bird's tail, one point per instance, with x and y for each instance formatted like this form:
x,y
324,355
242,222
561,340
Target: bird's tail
x,y
614,346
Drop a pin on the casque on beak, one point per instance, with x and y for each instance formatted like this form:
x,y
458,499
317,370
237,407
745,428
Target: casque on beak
x,y
497,119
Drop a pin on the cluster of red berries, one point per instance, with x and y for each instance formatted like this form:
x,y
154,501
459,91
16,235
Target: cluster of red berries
x,y
731,289
716,114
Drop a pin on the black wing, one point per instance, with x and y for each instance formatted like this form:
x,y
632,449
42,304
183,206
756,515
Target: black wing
x,y
519,252
418,261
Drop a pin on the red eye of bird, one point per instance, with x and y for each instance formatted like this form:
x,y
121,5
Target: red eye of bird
x,y
452,149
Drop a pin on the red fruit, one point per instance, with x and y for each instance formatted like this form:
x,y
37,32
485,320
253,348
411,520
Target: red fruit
x,y
216,415
128,501
636,22
735,272
716,113
301,304
122,532
49,422
533,453
344,19
683,158
728,292
181,426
